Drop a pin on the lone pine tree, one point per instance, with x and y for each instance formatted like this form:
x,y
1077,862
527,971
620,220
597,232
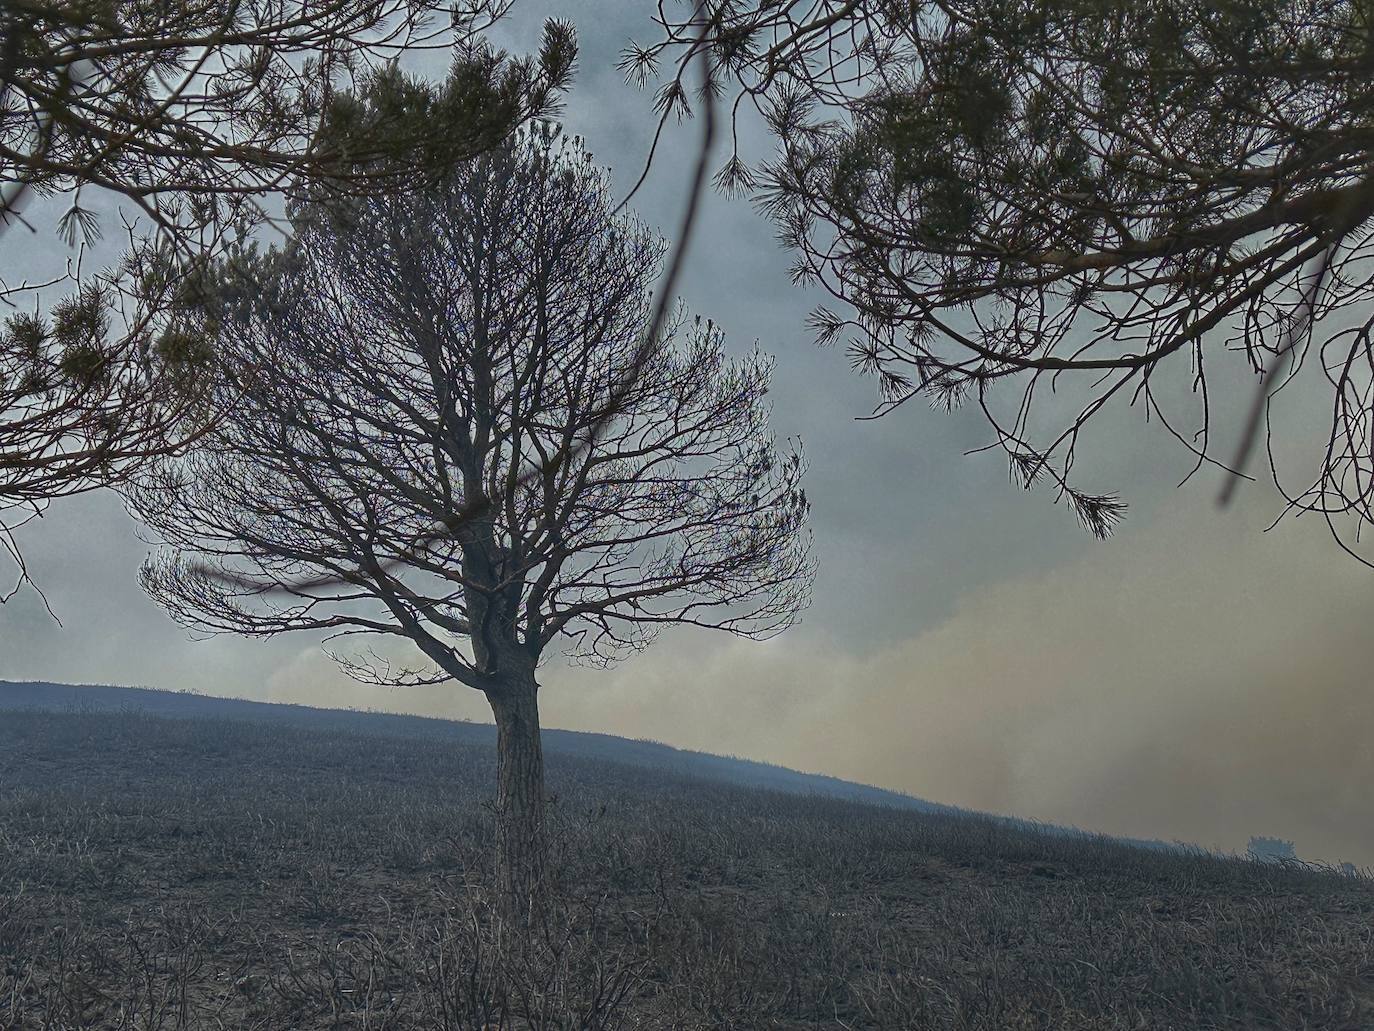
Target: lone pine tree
x,y
480,347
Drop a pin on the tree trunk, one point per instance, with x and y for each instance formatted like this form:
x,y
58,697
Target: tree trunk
x,y
520,843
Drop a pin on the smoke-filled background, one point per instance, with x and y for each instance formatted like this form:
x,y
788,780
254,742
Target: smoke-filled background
x,y
1193,678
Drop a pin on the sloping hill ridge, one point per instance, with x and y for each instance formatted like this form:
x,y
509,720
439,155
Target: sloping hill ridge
x,y
602,747
651,754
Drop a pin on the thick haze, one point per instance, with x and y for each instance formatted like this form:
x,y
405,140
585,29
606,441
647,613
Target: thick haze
x,y
1192,678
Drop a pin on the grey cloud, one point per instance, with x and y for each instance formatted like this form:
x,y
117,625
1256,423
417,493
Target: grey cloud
x,y
1196,680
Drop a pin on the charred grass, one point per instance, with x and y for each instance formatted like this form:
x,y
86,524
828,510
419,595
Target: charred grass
x,y
166,874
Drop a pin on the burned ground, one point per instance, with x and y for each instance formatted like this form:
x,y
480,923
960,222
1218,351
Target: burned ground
x,y
169,873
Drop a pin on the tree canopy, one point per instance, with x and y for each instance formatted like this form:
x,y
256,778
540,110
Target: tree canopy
x,y
195,111
1018,191
196,118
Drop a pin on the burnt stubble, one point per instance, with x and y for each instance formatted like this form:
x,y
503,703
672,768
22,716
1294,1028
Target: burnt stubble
x,y
203,873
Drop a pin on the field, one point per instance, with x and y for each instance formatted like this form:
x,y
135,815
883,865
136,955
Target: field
x,y
209,873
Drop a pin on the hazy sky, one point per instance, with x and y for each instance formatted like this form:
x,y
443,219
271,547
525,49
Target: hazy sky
x,y
1193,678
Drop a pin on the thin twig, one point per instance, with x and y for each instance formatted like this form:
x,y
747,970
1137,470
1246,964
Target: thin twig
x,y
1298,327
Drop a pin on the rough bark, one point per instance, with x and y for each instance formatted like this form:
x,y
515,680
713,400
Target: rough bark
x,y
520,838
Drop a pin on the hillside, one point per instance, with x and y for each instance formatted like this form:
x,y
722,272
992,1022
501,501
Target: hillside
x,y
651,754
164,872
